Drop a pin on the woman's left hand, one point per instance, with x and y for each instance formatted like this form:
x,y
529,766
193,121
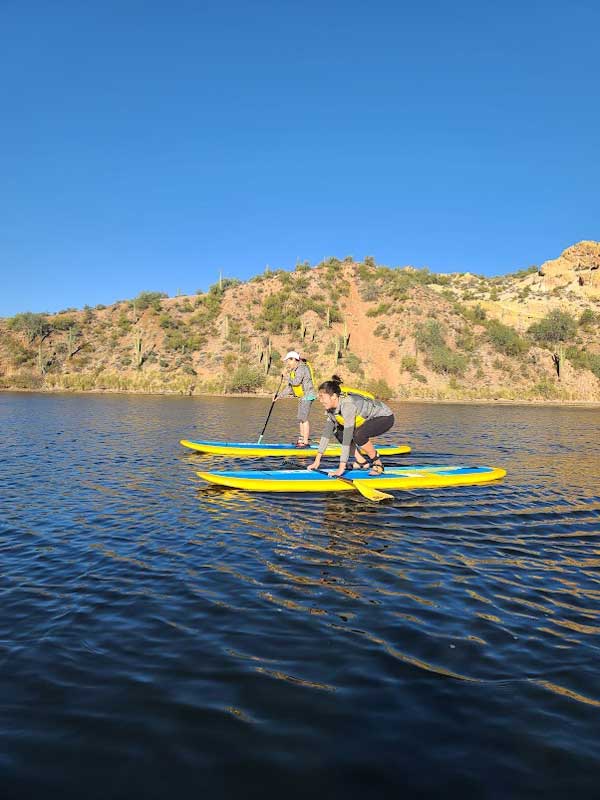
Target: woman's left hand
x,y
338,472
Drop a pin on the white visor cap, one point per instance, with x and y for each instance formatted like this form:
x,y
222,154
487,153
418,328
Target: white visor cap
x,y
292,354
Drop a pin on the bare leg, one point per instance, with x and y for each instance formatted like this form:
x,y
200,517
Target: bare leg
x,y
305,431
368,449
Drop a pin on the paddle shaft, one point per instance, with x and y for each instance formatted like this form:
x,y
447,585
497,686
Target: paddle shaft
x,y
260,438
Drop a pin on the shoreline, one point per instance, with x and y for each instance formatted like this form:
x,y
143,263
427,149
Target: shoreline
x,y
258,395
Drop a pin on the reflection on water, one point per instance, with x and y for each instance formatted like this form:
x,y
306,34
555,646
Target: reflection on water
x,y
158,636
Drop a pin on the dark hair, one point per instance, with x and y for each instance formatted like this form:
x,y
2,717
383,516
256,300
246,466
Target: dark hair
x,y
333,386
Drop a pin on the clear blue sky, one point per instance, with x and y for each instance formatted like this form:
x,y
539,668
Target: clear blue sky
x,y
146,145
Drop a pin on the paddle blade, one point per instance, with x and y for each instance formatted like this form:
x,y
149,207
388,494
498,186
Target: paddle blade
x,y
370,493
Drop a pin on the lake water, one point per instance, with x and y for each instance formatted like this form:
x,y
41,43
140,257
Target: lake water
x,y
161,639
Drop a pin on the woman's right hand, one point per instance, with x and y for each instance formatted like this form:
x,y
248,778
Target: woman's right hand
x,y
315,464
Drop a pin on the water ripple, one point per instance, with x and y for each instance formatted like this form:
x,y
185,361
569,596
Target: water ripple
x,y
152,626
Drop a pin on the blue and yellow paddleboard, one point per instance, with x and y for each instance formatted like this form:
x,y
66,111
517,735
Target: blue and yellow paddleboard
x,y
300,480
253,450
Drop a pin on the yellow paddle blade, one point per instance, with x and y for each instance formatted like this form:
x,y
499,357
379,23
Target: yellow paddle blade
x,y
370,493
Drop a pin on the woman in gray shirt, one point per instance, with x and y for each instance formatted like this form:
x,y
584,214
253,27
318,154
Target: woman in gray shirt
x,y
354,419
300,385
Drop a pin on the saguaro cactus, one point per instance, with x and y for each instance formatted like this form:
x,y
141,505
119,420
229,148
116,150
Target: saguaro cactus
x,y
559,359
137,349
41,365
346,335
269,357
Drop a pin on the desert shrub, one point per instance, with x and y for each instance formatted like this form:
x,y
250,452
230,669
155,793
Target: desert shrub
x,y
183,342
24,380
587,318
505,339
17,353
429,334
556,326
544,388
429,337
476,314
63,322
353,363
246,379
282,311
524,292
382,308
466,341
443,360
408,364
522,273
370,292
582,359
380,388
382,331
146,299
32,325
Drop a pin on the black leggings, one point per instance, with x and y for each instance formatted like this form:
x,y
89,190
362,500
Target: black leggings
x,y
369,429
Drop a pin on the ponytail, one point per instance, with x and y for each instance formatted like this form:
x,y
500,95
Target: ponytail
x,y
334,386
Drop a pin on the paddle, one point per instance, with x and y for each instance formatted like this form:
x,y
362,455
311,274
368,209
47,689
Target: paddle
x,y
260,438
367,491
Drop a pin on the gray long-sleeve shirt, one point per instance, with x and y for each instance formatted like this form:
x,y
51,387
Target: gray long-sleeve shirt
x,y
302,377
350,407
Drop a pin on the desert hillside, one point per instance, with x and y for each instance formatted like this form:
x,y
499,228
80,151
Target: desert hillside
x,y
404,332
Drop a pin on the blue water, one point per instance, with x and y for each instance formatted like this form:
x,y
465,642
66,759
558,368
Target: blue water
x,y
163,639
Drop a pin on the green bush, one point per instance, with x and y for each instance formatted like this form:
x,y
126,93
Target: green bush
x,y
353,363
475,314
466,341
32,325
63,322
246,379
18,354
505,339
23,380
382,308
282,311
370,292
146,299
545,388
587,318
582,359
445,361
184,343
408,364
382,331
429,334
556,326
381,389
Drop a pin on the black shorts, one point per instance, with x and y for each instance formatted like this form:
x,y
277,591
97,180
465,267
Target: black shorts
x,y
369,429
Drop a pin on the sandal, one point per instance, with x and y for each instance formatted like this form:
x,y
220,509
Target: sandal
x,y
377,467
300,445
